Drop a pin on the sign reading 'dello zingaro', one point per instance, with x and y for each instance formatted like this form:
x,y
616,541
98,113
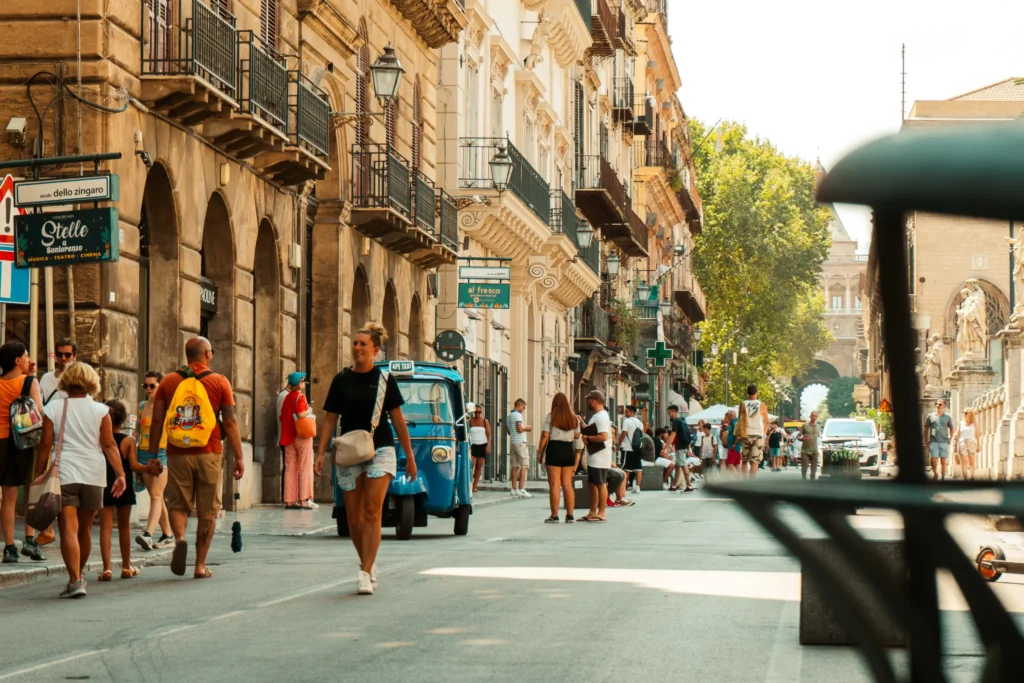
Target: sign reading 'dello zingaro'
x,y
66,238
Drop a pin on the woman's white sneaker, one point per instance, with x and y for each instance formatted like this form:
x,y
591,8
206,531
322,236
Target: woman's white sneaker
x,y
365,584
373,576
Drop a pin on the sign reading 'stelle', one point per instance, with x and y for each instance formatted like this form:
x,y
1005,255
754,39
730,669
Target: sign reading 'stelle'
x,y
66,238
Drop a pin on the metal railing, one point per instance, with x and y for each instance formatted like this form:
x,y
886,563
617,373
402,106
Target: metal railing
x,y
525,183
598,174
425,202
200,42
381,179
448,225
623,36
638,228
592,254
623,93
264,76
847,258
595,323
312,110
564,219
586,9
653,154
603,12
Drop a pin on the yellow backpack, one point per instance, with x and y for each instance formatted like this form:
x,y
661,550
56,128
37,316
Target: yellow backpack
x,y
190,417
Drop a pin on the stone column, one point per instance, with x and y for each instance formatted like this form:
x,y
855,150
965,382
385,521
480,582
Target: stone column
x,y
1012,422
969,380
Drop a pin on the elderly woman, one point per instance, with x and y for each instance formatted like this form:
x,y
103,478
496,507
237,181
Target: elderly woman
x,y
84,437
298,451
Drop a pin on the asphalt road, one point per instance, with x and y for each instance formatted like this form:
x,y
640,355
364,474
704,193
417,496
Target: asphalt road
x,y
679,587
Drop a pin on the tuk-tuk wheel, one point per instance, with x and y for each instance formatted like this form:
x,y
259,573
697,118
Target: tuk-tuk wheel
x,y
342,519
985,555
461,520
406,509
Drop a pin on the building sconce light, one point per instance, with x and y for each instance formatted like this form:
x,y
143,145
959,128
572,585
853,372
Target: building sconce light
x,y
225,174
743,349
584,235
612,264
501,168
679,250
643,291
387,74
666,307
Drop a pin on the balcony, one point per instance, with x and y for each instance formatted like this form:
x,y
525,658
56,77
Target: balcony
x,y
602,29
592,255
623,100
595,326
439,22
630,236
526,183
653,154
643,122
568,29
189,62
689,296
383,206
689,199
600,195
623,39
448,226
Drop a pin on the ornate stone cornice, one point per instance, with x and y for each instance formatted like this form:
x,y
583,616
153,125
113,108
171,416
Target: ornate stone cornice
x,y
328,23
438,22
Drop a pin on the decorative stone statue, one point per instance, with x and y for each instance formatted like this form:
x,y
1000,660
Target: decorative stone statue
x,y
931,371
972,322
1018,263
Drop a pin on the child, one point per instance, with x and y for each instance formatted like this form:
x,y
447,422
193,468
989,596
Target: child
x,y
123,505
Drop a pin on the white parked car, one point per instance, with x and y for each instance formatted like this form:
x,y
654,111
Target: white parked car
x,y
858,434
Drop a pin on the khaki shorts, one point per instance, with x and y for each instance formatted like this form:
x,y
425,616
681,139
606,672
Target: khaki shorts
x,y
194,479
519,455
752,449
81,496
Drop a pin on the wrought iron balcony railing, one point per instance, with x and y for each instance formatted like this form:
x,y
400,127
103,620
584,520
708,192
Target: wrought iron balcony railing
x,y
264,80
525,183
598,174
586,9
448,225
653,154
197,41
624,35
623,99
381,179
602,28
592,254
425,202
564,219
595,323
638,227
312,111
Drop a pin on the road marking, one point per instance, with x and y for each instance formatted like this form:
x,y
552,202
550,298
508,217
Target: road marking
x,y
787,659
230,614
37,667
172,631
271,603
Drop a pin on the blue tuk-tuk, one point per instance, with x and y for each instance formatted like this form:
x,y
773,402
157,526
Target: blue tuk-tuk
x,y
436,415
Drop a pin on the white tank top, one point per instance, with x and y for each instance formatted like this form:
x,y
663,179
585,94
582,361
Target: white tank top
x,y
755,425
967,432
478,435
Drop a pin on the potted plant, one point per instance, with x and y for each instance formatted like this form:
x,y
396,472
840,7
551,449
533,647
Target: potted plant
x,y
840,461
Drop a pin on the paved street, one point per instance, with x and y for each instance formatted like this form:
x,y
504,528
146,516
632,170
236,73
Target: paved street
x,y
677,587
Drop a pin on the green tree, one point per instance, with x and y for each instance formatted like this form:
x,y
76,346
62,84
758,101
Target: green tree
x,y
758,260
840,397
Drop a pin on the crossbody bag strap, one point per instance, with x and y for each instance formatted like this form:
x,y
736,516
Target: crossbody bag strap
x,y
60,435
382,386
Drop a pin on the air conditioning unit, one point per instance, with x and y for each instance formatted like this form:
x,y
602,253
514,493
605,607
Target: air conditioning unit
x,y
660,84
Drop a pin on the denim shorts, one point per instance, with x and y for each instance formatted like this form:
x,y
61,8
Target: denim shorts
x,y
144,457
938,450
384,463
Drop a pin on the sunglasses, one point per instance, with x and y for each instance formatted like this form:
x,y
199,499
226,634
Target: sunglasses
x,y
150,386
62,354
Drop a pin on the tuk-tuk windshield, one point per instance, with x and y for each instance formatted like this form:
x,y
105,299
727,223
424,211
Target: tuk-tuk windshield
x,y
426,401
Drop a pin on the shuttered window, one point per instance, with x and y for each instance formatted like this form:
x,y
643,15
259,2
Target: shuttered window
x,y
578,131
359,165
417,128
221,5
268,23
391,123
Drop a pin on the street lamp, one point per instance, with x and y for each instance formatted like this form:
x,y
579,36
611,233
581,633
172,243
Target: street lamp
x,y
697,334
501,168
666,307
643,290
743,349
612,263
714,349
584,235
387,76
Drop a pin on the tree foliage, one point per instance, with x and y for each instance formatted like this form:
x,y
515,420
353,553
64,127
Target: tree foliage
x,y
758,260
840,397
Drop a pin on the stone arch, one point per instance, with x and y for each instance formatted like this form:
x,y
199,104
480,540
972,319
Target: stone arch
x,y
822,372
217,265
416,340
359,311
159,339
389,318
266,364
997,305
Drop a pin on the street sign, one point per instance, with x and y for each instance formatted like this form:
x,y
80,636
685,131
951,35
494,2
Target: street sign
x,y
485,272
473,295
659,354
885,406
14,283
450,346
66,238
98,188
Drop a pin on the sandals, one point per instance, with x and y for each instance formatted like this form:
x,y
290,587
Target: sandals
x,y
105,575
129,573
207,574
553,519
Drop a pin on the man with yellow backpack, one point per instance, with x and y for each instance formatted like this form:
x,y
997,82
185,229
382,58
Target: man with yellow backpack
x,y
186,406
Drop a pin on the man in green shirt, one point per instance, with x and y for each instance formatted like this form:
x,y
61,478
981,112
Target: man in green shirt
x,y
938,428
808,438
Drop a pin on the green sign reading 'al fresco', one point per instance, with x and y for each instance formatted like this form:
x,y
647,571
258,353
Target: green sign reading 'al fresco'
x,y
472,295
66,238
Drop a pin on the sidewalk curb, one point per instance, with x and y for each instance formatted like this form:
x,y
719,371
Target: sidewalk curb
x,y
32,573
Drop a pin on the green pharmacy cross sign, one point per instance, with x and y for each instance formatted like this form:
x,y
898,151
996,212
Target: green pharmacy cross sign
x,y
659,354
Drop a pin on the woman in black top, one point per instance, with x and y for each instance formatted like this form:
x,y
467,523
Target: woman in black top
x,y
353,396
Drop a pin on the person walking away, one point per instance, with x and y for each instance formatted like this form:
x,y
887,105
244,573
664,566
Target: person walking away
x,y
154,483
732,458
120,506
966,440
681,440
79,431
479,443
752,439
298,451
519,452
186,405
599,457
775,447
938,428
630,444
354,395
16,465
555,450
808,438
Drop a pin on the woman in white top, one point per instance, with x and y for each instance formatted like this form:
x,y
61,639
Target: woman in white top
x,y
556,451
85,447
966,439
479,443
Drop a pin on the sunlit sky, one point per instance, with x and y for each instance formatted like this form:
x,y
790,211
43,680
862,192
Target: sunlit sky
x,y
819,78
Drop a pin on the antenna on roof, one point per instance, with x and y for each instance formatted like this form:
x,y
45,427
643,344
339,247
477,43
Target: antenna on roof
x,y
903,82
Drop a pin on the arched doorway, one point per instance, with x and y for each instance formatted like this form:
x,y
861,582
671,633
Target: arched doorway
x,y
266,364
415,329
359,312
218,270
812,386
159,337
389,318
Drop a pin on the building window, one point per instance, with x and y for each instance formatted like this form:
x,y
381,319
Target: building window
x,y
417,127
496,104
856,302
837,302
391,123
268,23
528,140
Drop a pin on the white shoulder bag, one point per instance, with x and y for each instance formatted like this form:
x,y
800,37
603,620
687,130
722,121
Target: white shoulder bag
x,y
356,447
